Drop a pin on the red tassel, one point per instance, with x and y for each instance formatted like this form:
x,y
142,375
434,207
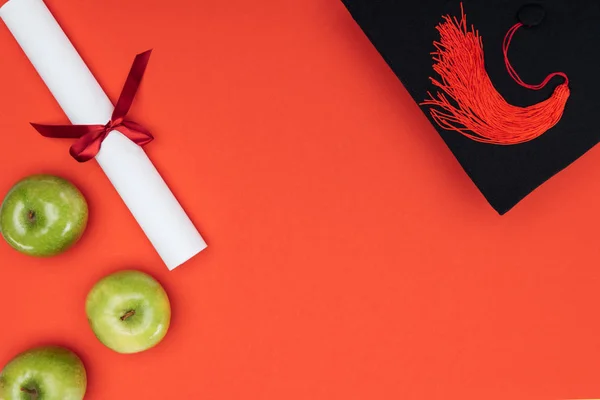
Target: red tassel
x,y
478,111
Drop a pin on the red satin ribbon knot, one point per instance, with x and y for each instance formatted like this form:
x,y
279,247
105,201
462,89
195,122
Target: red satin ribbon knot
x,y
90,137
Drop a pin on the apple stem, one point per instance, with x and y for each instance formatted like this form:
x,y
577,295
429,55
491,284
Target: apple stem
x,y
32,392
31,216
127,315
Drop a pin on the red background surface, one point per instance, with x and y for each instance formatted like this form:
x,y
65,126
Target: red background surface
x,y
349,255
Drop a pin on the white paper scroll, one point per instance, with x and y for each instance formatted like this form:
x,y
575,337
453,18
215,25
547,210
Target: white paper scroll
x,y
128,168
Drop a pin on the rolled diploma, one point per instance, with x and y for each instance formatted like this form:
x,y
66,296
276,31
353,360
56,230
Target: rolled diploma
x,y
126,165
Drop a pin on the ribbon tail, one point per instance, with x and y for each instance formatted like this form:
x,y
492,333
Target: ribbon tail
x,y
65,131
132,83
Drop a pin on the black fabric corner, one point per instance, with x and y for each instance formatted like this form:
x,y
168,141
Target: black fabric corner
x,y
566,40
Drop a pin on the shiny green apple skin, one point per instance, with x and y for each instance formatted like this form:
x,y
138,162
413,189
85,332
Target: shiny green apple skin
x,y
44,373
43,215
129,311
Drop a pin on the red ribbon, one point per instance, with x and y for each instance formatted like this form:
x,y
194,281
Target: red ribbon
x,y
90,137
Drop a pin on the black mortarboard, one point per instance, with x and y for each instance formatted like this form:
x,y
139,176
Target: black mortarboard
x,y
553,125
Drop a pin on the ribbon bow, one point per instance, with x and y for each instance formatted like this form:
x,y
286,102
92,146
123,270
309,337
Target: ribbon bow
x,y
90,137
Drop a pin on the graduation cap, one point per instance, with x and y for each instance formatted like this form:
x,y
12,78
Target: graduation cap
x,y
511,86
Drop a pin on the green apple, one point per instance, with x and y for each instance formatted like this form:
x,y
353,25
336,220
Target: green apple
x,y
129,311
44,373
43,215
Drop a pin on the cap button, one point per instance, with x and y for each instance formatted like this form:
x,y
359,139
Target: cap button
x,y
531,14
